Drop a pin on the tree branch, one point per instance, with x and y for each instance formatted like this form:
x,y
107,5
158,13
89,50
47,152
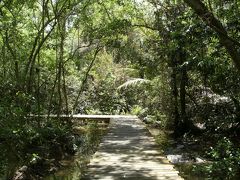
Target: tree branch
x,y
232,46
85,78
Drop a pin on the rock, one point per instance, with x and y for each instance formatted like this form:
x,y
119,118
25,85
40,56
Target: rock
x,y
177,158
23,169
174,158
146,120
19,176
201,125
199,160
21,173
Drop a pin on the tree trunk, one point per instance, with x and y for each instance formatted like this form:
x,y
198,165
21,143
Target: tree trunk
x,y
184,125
61,26
4,61
14,56
232,46
85,78
183,83
65,92
174,91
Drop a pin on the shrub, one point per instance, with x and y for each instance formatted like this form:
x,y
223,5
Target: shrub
x,y
225,161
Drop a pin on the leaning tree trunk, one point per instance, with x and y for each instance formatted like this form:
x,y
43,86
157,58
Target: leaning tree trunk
x,y
232,46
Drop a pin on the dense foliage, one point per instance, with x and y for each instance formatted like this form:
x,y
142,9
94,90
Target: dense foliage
x,y
173,63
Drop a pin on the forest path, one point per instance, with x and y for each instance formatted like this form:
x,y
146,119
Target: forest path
x,y
128,151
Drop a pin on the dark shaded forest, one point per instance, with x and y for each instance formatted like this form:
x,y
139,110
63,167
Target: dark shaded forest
x,y
173,63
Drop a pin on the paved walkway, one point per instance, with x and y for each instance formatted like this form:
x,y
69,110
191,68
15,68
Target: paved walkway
x,y
128,151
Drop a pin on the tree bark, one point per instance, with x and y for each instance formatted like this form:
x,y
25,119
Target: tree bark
x,y
183,83
232,46
174,90
65,91
33,61
85,78
4,61
14,56
61,30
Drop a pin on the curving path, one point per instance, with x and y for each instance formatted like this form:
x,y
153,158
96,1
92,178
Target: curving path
x,y
128,151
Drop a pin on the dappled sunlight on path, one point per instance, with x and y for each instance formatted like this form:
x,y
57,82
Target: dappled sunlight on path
x,y
128,151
